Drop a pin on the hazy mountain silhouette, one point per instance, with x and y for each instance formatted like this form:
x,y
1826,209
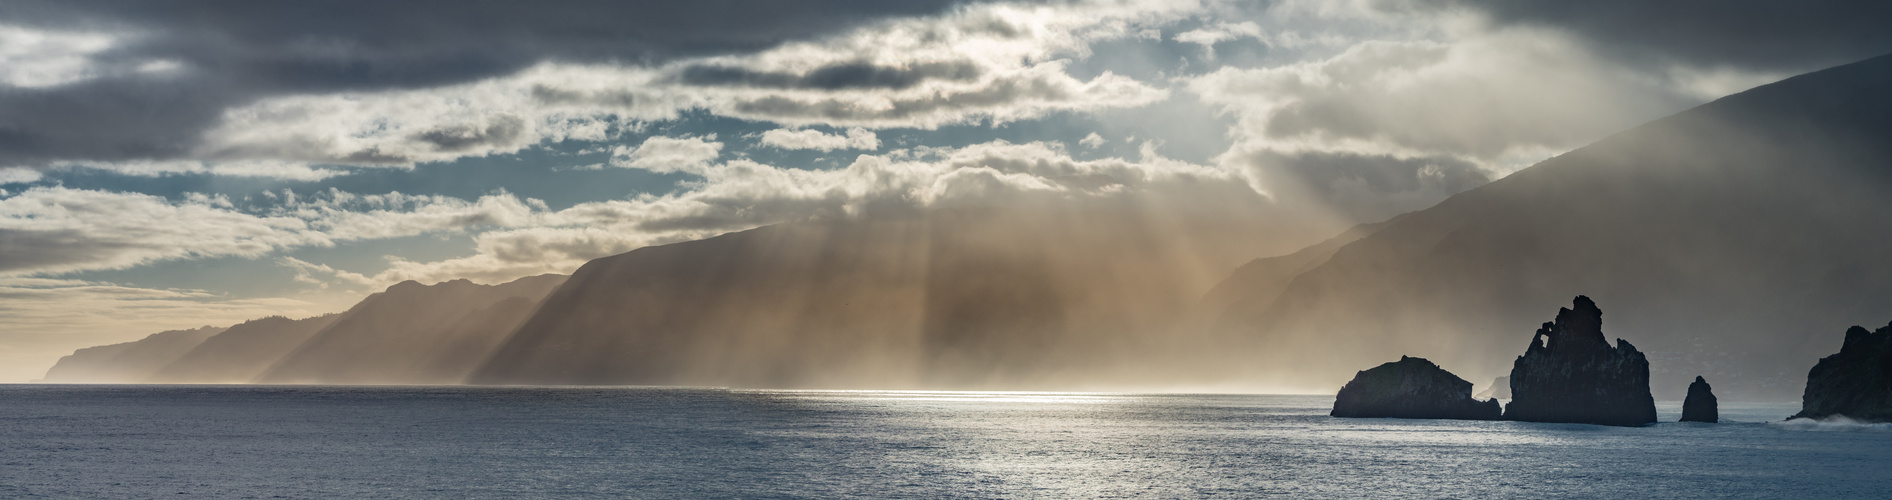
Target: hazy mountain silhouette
x,y
241,352
127,362
1262,280
413,334
1053,296
1728,237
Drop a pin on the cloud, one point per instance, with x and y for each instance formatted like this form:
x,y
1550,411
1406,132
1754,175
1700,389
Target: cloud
x,y
228,88
856,138
1759,35
1092,141
741,194
34,58
669,154
1415,121
1208,36
103,82
53,230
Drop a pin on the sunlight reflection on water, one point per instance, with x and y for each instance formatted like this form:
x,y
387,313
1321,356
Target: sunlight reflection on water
x,y
74,441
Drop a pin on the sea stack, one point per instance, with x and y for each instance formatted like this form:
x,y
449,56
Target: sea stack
x,y
1411,388
1856,383
1700,406
1571,374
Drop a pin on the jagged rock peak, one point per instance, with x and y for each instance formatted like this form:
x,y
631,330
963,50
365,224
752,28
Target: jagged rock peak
x,y
1578,325
1571,374
1411,388
1856,382
1700,406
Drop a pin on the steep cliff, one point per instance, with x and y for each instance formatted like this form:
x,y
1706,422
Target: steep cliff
x,y
1856,382
1571,374
241,352
414,334
1051,297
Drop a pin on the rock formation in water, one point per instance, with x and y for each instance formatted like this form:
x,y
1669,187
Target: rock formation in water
x,y
1700,405
1411,388
1856,382
1500,389
1571,374
1785,183
129,362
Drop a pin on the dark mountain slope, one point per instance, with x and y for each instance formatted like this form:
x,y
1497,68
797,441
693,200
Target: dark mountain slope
x,y
241,352
1721,234
414,334
1056,296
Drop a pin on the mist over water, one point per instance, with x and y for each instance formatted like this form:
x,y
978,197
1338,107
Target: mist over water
x,y
326,442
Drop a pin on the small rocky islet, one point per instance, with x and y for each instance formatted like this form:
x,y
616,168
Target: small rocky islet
x,y
1855,383
1569,374
1412,388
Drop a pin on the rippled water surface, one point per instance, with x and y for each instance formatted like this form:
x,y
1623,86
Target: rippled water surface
x,y
269,442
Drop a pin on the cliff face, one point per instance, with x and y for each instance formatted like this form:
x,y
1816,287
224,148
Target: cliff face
x,y
1700,405
961,298
413,334
241,352
1411,388
1856,382
129,362
1571,374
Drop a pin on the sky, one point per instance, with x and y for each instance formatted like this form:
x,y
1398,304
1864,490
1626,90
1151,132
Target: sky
x,y
173,164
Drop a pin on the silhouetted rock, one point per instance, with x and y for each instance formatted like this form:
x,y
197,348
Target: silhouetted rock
x,y
1856,383
1411,388
1500,389
1700,405
1571,374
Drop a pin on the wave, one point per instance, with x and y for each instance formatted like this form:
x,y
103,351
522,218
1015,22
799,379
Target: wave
x,y
1836,423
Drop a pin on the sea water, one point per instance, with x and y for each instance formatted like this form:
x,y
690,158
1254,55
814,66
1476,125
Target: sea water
x,y
406,442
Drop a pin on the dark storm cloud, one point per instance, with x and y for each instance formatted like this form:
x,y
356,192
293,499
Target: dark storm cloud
x,y
833,77
1765,34
234,52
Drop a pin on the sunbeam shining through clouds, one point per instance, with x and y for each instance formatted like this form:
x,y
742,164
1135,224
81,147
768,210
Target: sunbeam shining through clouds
x,y
955,218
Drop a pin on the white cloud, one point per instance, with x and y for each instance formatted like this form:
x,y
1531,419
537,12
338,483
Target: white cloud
x,y
1092,141
17,175
52,230
269,169
856,138
989,62
41,58
1498,100
1208,36
669,154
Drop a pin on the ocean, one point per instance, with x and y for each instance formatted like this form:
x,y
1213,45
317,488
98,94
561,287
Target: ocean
x,y
479,442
